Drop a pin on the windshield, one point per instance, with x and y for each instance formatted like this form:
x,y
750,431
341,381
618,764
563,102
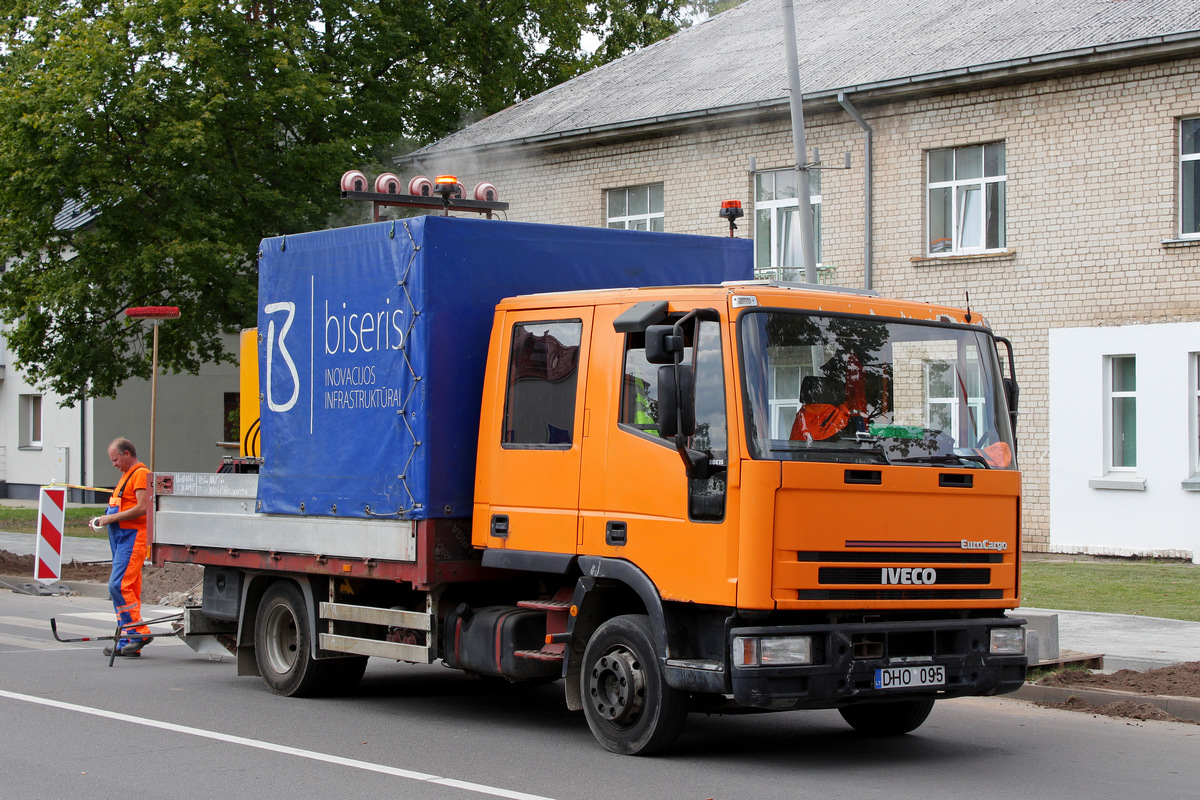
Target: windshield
x,y
863,391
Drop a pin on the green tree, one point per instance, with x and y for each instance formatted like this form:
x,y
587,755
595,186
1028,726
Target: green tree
x,y
191,129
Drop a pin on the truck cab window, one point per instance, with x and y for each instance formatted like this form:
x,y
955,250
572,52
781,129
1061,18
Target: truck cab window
x,y
706,496
639,388
543,372
639,410
874,392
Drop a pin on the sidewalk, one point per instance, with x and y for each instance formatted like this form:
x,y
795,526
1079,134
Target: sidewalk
x,y
1127,642
75,548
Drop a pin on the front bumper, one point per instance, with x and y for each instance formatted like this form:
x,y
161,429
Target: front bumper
x,y
846,656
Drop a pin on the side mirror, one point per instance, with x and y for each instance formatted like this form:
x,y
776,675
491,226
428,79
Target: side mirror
x,y
663,345
676,403
1012,394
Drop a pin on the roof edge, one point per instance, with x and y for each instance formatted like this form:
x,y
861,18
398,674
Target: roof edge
x,y
1087,59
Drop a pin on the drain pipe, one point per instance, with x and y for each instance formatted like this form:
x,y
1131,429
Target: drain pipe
x,y
868,270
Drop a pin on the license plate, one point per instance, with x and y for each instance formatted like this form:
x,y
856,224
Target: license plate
x,y
906,677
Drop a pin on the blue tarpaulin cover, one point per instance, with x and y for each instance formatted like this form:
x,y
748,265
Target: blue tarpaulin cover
x,y
373,341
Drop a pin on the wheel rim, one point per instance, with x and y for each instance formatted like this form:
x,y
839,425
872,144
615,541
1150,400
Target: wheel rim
x,y
282,639
617,687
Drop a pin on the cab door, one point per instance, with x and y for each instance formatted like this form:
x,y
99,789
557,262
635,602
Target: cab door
x,y
644,509
537,438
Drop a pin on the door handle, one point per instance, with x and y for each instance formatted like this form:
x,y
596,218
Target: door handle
x,y
615,533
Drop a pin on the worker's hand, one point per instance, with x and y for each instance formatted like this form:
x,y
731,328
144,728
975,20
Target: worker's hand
x,y
96,523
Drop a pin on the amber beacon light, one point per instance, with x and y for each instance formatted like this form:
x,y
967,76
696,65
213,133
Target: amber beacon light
x,y
732,211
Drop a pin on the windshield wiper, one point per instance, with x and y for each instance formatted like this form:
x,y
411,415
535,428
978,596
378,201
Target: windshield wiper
x,y
816,448
948,460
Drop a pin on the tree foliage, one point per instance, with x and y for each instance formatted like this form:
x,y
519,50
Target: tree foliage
x,y
194,128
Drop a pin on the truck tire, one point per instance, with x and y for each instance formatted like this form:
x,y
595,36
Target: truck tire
x,y
626,700
282,646
887,719
347,673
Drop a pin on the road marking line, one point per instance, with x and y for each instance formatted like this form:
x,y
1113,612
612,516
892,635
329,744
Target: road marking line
x,y
27,642
67,627
110,617
383,769
97,615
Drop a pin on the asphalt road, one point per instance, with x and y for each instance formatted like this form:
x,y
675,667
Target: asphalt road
x,y
173,724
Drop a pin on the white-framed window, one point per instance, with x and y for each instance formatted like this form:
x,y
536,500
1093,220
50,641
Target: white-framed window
x,y
776,223
1121,413
29,426
950,393
784,397
966,191
636,208
1194,412
1189,178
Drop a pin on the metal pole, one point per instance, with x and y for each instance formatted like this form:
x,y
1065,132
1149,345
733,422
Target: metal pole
x,y
153,394
808,247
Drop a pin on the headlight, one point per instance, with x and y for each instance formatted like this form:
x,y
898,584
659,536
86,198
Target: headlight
x,y
773,651
1007,642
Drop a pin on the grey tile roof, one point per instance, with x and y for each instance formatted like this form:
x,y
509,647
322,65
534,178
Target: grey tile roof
x,y
737,58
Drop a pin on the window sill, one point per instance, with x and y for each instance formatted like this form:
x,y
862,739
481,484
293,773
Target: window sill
x,y
972,258
1191,241
29,447
1191,484
1130,484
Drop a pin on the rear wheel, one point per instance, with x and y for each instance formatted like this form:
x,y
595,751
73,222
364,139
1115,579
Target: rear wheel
x,y
888,719
628,704
283,646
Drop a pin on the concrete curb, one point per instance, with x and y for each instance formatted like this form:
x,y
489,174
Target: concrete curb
x,y
1182,707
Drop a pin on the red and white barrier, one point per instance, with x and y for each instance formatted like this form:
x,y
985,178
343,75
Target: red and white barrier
x,y
47,566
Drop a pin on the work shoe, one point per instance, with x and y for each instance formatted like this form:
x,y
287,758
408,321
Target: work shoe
x,y
135,646
131,649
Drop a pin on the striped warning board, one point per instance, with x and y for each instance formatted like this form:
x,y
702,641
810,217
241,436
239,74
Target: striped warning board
x,y
47,563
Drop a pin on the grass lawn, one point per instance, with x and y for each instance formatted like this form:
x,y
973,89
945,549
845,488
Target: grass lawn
x,y
1146,589
24,520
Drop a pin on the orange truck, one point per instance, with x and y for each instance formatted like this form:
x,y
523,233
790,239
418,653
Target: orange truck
x,y
715,494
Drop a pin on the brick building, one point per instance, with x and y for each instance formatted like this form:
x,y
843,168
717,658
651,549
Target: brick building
x,y
1044,158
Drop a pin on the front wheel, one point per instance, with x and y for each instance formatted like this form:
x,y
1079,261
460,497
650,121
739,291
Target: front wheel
x,y
628,704
283,646
887,719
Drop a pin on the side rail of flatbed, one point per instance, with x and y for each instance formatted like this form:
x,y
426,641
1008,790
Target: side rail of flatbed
x,y
210,519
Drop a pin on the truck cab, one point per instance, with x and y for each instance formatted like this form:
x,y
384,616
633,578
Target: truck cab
x,y
812,497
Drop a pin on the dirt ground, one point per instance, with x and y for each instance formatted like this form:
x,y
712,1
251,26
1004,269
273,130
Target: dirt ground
x,y
168,585
179,584
1178,680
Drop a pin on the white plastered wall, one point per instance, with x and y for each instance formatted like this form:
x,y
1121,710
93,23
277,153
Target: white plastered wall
x,y
1153,510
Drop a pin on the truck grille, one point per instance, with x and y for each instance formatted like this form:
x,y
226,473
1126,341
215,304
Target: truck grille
x,y
871,575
